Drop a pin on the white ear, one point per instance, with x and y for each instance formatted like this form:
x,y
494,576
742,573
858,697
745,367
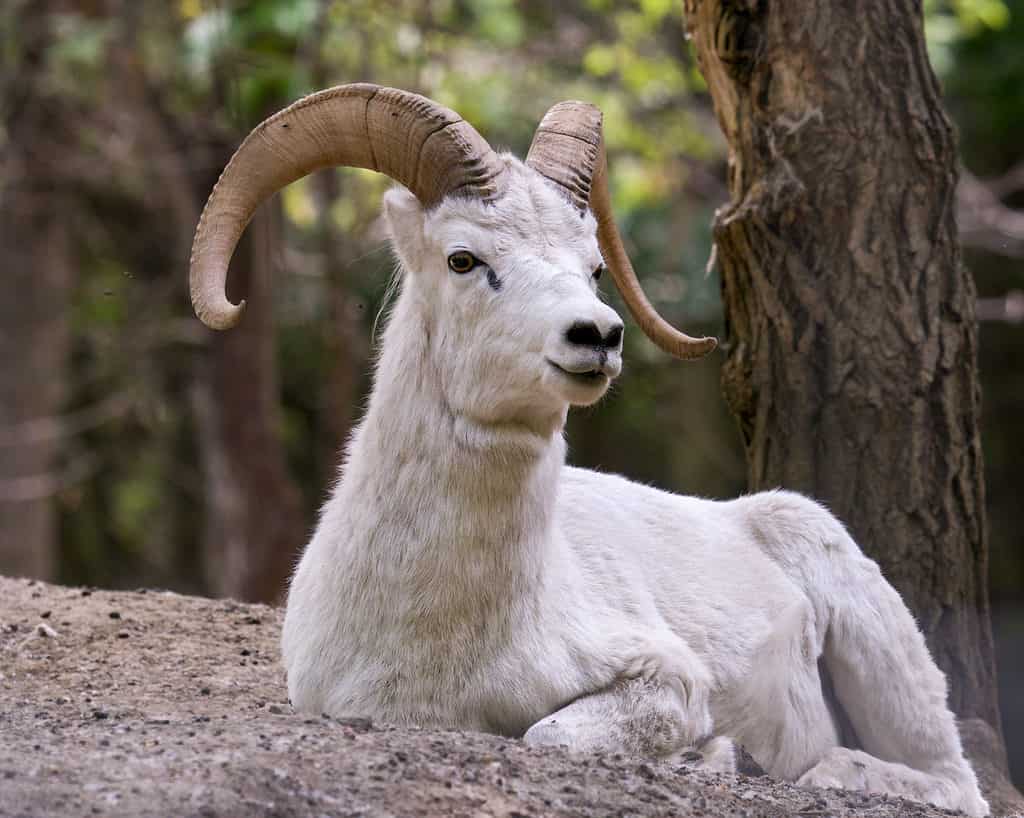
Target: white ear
x,y
404,216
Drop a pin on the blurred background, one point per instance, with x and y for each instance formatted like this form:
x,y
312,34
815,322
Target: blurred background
x,y
139,449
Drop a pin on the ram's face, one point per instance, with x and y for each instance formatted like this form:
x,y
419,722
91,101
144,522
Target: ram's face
x,y
517,328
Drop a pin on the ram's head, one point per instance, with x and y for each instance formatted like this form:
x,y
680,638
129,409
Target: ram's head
x,y
502,256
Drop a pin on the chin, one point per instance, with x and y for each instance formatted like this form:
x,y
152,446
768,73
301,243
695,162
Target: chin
x,y
579,390
589,399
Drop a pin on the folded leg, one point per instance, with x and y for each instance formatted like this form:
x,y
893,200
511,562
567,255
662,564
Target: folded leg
x,y
642,718
856,770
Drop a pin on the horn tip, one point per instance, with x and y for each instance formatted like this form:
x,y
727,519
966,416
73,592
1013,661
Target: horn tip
x,y
694,348
220,316
701,347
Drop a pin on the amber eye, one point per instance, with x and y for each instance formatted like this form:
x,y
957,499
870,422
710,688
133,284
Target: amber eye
x,y
462,262
597,272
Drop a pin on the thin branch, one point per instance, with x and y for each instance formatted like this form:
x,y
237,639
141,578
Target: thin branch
x,y
985,222
41,486
1009,183
1009,309
42,430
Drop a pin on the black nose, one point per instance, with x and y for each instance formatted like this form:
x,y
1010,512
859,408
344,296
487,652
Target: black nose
x,y
586,334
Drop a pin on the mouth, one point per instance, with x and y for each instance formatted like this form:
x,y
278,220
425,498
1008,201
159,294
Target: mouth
x,y
587,377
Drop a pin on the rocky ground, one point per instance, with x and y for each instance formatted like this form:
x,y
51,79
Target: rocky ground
x,y
150,703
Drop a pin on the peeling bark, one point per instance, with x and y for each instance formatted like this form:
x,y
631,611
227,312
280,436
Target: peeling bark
x,y
851,333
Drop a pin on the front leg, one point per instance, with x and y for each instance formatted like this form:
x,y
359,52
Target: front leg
x,y
656,707
636,717
666,662
642,718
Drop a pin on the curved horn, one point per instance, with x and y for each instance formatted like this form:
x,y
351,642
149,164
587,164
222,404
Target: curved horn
x,y
424,146
568,149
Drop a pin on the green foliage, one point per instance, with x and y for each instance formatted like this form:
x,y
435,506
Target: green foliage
x,y
987,91
949,22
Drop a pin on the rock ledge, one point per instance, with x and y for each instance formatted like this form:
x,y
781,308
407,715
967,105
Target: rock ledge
x,y
155,704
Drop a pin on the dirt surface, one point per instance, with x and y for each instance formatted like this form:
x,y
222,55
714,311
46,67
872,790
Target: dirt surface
x,y
151,703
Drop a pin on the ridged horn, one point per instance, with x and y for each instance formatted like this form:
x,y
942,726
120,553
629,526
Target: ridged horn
x,y
568,149
418,143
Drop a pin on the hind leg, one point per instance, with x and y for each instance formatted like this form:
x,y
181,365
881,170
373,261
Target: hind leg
x,y
856,770
895,697
883,677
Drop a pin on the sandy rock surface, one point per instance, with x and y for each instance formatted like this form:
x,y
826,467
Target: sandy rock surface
x,y
155,704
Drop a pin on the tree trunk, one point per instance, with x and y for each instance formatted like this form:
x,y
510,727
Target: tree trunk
x,y
256,526
34,324
34,345
851,336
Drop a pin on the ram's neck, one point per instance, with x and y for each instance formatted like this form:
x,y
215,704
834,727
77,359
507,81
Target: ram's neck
x,y
459,514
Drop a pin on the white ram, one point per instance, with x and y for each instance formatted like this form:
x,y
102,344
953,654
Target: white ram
x,y
463,576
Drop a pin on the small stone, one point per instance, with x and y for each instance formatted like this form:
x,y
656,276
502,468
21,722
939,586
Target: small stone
x,y
747,765
205,691
114,614
356,723
123,634
46,631
100,714
45,614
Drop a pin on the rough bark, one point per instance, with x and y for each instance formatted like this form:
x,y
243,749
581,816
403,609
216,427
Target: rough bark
x,y
36,252
851,334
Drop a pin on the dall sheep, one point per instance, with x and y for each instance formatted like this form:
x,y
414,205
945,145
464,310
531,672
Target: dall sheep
x,y
463,576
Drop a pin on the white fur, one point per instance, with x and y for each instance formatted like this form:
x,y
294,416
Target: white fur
x,y
463,576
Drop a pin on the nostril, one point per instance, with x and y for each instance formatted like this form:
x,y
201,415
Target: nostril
x,y
584,334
